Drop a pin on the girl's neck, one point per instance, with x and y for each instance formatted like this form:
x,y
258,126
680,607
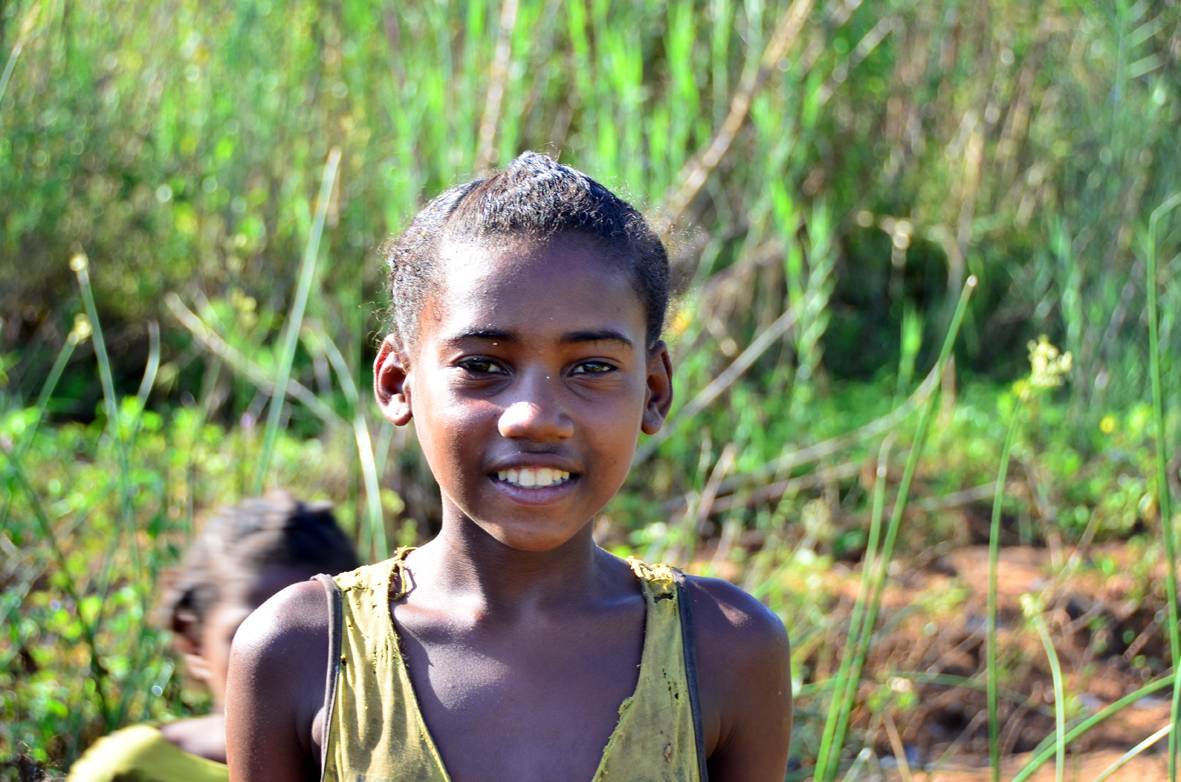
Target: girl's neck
x,y
464,563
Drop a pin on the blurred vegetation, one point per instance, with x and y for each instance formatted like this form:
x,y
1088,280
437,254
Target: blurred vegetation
x,y
828,178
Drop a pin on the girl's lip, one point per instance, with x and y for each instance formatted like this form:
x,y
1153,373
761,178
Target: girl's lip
x,y
535,495
535,461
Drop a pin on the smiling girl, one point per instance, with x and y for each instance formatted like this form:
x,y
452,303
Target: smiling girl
x,y
526,350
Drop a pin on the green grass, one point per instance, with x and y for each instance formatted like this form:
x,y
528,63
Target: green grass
x,y
1162,483
1049,749
307,273
1034,613
865,612
228,171
994,539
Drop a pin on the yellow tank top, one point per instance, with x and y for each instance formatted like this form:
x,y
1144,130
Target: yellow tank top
x,y
375,731
141,753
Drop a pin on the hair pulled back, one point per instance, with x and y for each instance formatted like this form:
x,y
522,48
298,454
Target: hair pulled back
x,y
534,198
238,543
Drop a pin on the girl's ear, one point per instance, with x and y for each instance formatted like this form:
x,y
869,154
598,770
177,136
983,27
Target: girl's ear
x,y
390,385
660,389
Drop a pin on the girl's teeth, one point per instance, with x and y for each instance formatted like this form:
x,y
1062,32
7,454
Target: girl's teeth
x,y
531,477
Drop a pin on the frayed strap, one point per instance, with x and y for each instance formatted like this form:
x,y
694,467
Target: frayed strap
x,y
335,629
399,576
659,579
690,654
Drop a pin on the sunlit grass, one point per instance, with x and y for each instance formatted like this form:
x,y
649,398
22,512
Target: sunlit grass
x,y
866,611
855,182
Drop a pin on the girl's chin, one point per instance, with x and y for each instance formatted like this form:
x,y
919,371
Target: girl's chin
x,y
533,528
526,538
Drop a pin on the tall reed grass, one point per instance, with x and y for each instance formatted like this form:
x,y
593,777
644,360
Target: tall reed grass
x,y
824,175
1164,499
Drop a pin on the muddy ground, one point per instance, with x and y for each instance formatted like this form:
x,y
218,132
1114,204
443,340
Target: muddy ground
x,y
1105,612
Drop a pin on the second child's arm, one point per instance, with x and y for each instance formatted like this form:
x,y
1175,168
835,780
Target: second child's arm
x,y
744,679
275,688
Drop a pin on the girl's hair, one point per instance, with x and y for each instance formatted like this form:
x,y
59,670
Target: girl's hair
x,y
239,543
534,198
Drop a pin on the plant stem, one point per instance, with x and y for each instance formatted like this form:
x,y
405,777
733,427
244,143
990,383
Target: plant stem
x,y
97,671
1131,754
841,706
858,616
307,273
364,442
1046,750
110,403
1039,624
81,266
239,363
994,535
47,388
1162,482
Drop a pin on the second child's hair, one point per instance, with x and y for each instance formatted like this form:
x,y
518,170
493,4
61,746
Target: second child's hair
x,y
239,543
534,198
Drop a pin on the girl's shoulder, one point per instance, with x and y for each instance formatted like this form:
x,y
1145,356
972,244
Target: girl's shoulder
x,y
730,620
292,618
296,618
276,674
279,658
744,676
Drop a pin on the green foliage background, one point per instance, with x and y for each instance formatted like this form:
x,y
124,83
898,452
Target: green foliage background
x,y
873,156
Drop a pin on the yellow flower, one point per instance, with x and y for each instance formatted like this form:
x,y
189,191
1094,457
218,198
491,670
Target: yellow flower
x,y
1031,605
1107,424
1048,366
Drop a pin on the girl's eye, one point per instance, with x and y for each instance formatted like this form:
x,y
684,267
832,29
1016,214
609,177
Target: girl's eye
x,y
481,366
592,368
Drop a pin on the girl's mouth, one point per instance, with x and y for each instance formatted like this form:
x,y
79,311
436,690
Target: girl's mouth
x,y
533,477
534,486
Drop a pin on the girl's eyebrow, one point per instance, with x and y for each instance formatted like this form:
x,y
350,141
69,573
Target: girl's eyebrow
x,y
590,335
492,335
600,335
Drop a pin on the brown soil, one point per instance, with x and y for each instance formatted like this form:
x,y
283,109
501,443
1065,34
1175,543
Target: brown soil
x,y
1106,630
1079,768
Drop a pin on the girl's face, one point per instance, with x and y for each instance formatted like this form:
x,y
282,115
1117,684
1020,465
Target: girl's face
x,y
529,382
207,646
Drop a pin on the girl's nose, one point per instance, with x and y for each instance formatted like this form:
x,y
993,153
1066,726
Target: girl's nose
x,y
536,417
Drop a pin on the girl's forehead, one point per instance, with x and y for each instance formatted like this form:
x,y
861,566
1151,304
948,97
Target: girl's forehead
x,y
494,255
565,278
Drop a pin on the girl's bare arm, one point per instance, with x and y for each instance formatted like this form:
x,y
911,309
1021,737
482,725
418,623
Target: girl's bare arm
x,y
744,679
276,687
